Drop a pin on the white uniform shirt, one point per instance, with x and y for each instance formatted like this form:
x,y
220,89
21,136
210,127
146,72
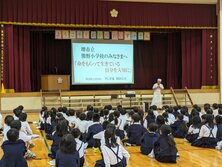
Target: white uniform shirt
x,y
171,117
205,131
5,130
101,137
82,126
193,130
110,158
24,136
72,120
80,147
88,124
26,128
215,112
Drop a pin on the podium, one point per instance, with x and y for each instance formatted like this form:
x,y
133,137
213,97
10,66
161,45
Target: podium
x,y
55,82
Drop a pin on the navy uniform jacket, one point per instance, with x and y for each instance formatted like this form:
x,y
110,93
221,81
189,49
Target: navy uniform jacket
x,y
93,129
147,142
134,133
67,160
179,129
55,144
219,132
13,154
163,151
150,119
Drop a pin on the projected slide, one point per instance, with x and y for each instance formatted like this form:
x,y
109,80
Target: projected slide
x,y
102,62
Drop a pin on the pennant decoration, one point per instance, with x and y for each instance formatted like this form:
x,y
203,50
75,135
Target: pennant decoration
x,y
85,34
79,35
140,35
121,35
127,35
99,34
58,34
133,35
106,35
93,34
146,36
72,34
2,88
114,35
65,34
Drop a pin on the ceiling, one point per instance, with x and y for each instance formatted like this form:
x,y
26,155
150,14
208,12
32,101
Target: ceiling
x,y
174,1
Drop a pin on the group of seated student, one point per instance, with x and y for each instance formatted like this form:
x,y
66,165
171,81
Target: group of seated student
x,y
17,139
73,131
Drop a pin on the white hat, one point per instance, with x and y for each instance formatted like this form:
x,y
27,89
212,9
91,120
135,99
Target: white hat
x,y
159,80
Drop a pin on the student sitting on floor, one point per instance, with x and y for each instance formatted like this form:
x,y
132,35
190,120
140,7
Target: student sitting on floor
x,y
179,128
218,120
119,125
207,135
135,131
7,124
150,118
95,128
80,146
50,123
67,155
16,124
194,129
25,125
14,150
16,112
165,147
61,130
114,154
160,120
82,125
148,139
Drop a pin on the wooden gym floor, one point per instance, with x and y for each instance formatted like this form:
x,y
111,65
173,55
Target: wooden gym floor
x,y
189,156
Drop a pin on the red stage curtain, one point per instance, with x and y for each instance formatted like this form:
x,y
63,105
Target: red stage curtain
x,y
174,68
191,42
48,56
209,58
95,12
17,58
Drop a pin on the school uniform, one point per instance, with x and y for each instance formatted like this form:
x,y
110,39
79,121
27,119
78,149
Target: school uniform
x,y
101,136
95,128
186,119
67,160
55,144
5,130
13,154
115,156
179,129
148,120
80,147
134,133
147,141
26,128
49,128
163,151
193,134
88,124
15,117
219,132
155,112
23,136
119,128
82,126
72,120
171,118
207,137
215,112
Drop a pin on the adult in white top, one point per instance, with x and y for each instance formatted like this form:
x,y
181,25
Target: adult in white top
x,y
157,96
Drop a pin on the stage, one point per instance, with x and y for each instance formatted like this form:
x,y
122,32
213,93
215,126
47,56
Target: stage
x,y
33,101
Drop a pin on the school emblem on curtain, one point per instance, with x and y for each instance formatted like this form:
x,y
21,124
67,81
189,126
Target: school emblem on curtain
x,y
114,13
